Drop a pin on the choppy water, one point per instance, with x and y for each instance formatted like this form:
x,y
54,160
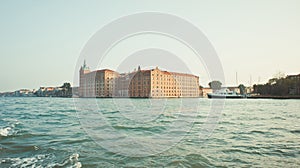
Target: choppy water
x,y
48,132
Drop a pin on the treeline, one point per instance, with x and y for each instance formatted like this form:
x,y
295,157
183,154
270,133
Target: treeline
x,y
284,86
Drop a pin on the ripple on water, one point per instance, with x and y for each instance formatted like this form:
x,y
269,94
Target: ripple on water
x,y
41,160
295,131
8,128
251,133
5,131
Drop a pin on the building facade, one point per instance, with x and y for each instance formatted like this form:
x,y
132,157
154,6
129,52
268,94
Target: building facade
x,y
122,83
153,83
206,91
98,83
294,89
157,83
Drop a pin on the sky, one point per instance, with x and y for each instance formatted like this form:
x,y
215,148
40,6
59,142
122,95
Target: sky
x,y
41,41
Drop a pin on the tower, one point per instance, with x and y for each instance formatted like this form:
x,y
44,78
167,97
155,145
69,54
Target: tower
x,y
82,81
84,69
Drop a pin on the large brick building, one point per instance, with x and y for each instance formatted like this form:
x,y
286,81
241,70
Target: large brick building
x,y
98,83
141,83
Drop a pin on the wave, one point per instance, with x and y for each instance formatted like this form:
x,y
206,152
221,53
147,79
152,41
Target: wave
x,y
23,162
140,128
41,160
5,131
71,162
8,130
295,131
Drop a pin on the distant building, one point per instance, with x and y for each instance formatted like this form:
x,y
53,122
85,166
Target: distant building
x,y
140,83
75,91
62,91
23,93
205,91
98,83
158,83
122,83
293,77
7,94
49,89
249,90
234,89
295,88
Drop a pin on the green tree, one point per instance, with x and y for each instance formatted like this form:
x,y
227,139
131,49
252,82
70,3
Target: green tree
x,y
279,87
66,86
242,89
67,90
215,85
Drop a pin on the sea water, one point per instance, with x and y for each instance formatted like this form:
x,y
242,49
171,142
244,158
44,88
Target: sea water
x,y
65,132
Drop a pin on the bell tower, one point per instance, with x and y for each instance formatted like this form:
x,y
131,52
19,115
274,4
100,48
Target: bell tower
x,y
84,69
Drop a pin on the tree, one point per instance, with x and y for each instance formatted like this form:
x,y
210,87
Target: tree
x,y
279,75
215,85
66,86
273,81
242,89
279,87
67,90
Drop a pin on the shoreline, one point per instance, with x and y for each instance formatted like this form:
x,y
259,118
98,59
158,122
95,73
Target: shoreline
x,y
250,97
273,97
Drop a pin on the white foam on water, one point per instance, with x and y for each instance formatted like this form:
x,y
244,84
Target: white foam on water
x,y
71,162
5,131
38,162
8,130
25,162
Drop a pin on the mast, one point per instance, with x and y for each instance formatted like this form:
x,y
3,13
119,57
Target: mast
x,y
236,78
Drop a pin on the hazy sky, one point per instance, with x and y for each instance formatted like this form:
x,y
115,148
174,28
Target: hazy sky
x,y
40,41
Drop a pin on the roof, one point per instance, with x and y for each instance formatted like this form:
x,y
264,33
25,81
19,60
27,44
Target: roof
x,y
105,70
290,76
183,74
144,71
175,73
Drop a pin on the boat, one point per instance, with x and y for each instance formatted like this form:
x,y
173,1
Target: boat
x,y
225,93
